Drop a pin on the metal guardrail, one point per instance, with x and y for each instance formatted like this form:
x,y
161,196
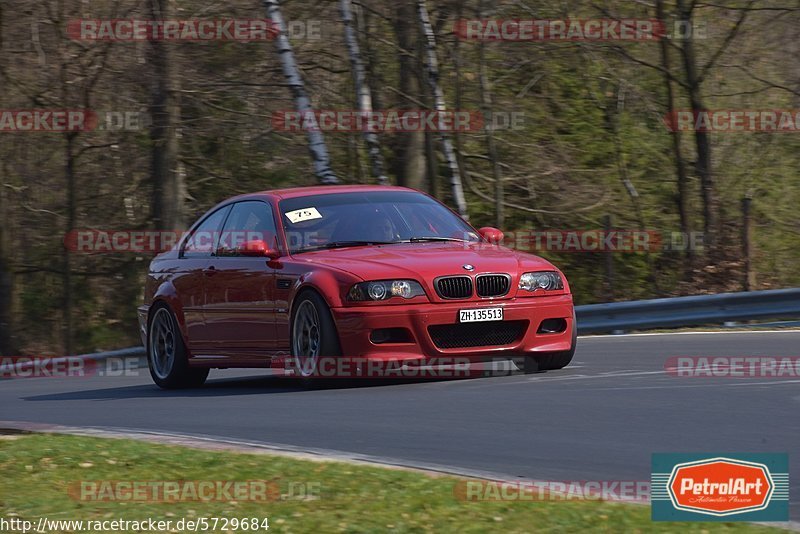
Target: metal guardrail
x,y
21,366
632,315
688,311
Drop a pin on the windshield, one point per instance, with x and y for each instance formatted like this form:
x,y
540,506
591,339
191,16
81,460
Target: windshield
x,y
372,217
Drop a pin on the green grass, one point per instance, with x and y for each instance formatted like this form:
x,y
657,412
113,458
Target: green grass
x,y
37,470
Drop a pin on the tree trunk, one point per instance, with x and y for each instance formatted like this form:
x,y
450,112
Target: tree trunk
x,y
71,202
432,65
458,97
363,93
749,279
702,141
432,165
680,165
66,275
365,28
486,104
409,164
6,277
168,187
316,141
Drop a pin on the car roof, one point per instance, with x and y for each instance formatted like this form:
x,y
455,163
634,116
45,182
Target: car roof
x,y
294,192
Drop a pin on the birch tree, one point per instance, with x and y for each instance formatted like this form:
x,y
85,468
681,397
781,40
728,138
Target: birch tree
x,y
362,90
432,67
316,141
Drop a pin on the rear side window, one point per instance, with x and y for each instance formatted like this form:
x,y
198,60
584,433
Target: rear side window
x,y
249,221
203,240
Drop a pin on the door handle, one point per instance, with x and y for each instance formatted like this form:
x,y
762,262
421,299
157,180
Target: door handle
x,y
210,271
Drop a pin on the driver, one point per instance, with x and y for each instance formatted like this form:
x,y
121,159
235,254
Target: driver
x,y
375,225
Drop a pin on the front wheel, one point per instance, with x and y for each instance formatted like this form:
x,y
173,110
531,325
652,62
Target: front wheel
x,y
166,354
313,335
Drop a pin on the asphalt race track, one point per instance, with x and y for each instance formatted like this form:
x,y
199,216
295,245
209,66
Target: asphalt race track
x,y
599,419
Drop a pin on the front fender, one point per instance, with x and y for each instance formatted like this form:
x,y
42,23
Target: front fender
x,y
332,285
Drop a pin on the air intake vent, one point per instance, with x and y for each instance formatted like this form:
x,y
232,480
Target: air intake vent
x,y
454,287
465,335
492,285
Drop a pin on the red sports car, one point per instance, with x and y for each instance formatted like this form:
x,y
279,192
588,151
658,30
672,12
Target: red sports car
x,y
370,272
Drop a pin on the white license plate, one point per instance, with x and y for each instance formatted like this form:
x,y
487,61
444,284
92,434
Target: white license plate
x,y
480,314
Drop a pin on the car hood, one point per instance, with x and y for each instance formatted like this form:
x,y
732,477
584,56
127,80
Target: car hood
x,y
426,261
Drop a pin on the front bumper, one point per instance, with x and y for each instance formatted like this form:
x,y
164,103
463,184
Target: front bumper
x,y
356,323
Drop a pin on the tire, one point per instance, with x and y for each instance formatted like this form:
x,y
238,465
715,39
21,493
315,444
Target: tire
x,y
553,360
166,353
313,335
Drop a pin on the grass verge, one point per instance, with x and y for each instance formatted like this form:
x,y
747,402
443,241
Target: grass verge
x,y
37,472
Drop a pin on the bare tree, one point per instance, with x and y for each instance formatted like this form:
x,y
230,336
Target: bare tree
x,y
486,104
432,67
410,157
362,90
701,138
6,278
168,182
695,75
682,195
316,141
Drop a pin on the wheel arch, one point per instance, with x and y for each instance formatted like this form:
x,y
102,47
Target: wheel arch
x,y
308,288
173,304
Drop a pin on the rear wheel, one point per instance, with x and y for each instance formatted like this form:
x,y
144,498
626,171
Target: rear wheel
x,y
166,353
313,335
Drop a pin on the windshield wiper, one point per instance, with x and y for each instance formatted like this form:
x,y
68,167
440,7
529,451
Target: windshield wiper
x,y
436,238
344,244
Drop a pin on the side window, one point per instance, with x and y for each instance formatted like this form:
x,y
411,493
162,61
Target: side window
x,y
249,221
201,243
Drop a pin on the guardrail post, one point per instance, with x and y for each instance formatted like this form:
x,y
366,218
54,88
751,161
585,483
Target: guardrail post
x,y
747,229
607,221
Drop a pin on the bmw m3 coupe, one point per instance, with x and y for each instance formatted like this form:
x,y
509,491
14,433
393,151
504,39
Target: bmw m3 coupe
x,y
375,272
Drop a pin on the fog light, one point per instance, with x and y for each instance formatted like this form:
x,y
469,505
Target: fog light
x,y
552,326
390,335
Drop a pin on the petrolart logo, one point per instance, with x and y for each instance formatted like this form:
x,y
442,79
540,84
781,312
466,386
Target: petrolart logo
x,y
723,487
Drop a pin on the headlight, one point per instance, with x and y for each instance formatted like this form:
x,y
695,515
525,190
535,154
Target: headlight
x,y
547,280
385,289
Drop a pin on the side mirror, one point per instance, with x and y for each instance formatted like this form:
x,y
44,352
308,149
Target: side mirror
x,y
257,248
492,235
